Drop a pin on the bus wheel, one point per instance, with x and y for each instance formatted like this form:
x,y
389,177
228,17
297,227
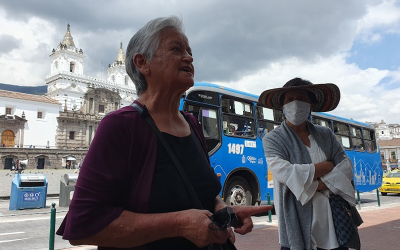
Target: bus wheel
x,y
383,194
238,192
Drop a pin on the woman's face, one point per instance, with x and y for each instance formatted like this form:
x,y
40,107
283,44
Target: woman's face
x,y
299,95
171,65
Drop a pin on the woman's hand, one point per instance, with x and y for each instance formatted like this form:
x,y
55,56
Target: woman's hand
x,y
194,226
323,168
244,214
321,185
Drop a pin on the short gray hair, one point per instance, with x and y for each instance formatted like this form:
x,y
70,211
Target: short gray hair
x,y
145,42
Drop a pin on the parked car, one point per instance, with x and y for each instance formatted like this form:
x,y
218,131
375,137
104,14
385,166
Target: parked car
x,y
391,183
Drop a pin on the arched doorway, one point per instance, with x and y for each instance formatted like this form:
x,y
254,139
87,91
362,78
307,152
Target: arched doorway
x,y
40,163
7,138
9,163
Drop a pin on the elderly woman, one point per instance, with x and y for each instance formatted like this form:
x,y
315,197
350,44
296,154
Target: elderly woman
x,y
129,193
307,163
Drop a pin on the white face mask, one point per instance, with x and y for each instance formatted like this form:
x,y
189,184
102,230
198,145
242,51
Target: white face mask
x,y
296,112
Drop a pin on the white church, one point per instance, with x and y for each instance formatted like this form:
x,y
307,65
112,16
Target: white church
x,y
68,115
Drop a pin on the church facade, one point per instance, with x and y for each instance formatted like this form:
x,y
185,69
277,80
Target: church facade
x,y
79,102
85,99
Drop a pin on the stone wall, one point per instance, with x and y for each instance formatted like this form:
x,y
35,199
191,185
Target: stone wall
x,y
52,158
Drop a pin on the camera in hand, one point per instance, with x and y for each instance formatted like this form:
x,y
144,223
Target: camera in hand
x,y
223,218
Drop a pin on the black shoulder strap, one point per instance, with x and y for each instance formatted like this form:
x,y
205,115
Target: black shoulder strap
x,y
146,116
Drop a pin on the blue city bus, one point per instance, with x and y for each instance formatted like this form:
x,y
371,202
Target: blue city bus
x,y
234,124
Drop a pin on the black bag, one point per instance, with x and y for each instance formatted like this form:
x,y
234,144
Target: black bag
x,y
346,219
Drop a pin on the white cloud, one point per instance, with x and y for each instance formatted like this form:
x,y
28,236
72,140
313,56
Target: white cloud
x,y
29,64
381,18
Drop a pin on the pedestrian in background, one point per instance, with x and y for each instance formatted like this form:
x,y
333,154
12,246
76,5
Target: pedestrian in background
x,y
308,164
129,193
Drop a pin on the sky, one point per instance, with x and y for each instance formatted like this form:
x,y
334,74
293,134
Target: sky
x,y
249,45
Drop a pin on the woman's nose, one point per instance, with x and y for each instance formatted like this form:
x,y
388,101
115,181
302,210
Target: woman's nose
x,y
188,57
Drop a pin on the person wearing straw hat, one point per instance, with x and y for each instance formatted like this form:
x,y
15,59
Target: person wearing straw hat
x,y
307,163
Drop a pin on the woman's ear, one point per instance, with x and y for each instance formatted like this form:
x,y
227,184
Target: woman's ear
x,y
140,62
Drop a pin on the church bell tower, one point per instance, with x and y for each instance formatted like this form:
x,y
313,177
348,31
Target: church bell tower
x,y
66,70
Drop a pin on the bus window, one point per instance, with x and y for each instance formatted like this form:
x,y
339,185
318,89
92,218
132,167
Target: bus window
x,y
369,139
269,114
238,117
278,115
268,120
208,119
239,126
341,131
210,123
321,122
264,127
356,138
194,110
225,105
265,113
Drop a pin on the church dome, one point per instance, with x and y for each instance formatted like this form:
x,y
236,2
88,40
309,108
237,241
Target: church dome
x,y
68,40
121,56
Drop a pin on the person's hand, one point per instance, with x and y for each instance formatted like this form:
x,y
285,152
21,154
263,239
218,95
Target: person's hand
x,y
194,226
244,214
323,168
321,185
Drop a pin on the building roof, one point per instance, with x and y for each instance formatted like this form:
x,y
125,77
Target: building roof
x,y
388,143
29,97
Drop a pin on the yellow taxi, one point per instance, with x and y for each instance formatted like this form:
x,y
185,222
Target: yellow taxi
x,y
391,183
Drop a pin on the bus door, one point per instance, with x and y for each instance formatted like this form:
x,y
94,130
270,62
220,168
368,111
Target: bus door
x,y
240,158
267,120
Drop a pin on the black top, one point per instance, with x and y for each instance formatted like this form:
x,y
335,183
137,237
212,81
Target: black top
x,y
168,191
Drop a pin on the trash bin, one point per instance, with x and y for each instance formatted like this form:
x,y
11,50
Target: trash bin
x,y
28,191
67,188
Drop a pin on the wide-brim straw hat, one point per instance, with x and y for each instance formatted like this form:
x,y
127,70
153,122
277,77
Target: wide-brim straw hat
x,y
327,94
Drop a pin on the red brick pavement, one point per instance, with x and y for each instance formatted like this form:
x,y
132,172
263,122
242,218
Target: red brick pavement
x,y
380,230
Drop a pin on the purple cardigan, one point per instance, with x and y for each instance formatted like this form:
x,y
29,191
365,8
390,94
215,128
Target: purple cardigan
x,y
116,174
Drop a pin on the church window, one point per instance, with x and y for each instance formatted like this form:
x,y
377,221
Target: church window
x,y
126,80
90,105
72,135
90,134
56,64
113,78
8,111
72,67
40,115
116,105
101,108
